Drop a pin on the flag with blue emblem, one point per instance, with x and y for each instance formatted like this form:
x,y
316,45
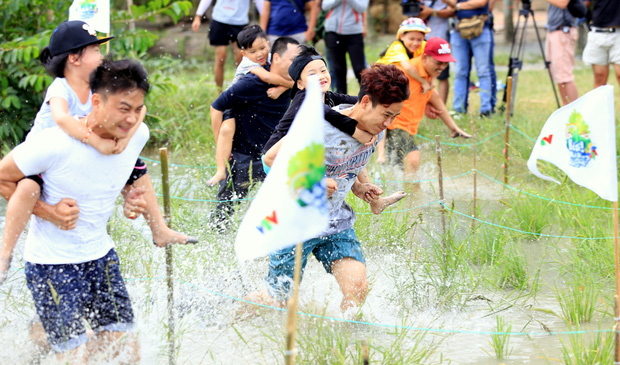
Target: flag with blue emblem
x,y
291,205
580,139
95,13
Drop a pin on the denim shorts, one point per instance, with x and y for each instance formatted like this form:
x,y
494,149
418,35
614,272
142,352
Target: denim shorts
x,y
399,143
66,295
326,249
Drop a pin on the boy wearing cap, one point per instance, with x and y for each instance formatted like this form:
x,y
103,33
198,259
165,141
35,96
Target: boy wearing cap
x,y
434,60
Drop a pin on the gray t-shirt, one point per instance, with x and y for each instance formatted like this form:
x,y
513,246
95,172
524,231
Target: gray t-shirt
x,y
557,18
345,157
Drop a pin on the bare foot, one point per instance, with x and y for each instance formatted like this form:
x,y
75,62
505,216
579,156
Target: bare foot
x,y
260,297
215,179
166,236
377,206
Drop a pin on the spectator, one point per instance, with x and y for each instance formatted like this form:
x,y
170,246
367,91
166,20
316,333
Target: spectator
x,y
285,18
228,19
560,48
345,27
603,44
475,39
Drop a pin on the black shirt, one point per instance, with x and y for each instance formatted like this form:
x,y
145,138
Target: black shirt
x,y
606,13
338,120
256,115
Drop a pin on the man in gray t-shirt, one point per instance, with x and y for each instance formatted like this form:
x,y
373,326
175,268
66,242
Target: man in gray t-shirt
x,y
337,248
560,48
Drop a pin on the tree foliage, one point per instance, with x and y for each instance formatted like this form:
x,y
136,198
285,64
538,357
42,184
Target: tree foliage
x,y
26,27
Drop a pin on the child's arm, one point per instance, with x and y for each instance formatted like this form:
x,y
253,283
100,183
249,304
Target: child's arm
x,y
275,92
413,72
347,125
60,112
271,78
223,150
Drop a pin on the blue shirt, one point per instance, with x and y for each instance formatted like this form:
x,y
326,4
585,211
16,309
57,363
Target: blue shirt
x,y
256,115
286,19
464,14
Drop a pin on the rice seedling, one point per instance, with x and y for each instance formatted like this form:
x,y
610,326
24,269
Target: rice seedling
x,y
577,350
578,300
501,338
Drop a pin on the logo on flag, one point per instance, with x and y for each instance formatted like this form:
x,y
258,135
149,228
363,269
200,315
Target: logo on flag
x,y
588,152
94,12
291,205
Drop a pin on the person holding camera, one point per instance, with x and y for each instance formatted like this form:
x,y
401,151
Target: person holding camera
x,y
603,45
472,35
560,48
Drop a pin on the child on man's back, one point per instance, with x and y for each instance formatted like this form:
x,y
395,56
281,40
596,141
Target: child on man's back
x,y
254,46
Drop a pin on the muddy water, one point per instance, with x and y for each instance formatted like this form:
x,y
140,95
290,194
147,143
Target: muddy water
x,y
212,330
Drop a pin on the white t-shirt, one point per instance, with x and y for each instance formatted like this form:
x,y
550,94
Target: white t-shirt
x,y
59,88
345,157
72,169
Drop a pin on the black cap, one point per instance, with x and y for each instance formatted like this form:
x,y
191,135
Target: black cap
x,y
298,65
72,35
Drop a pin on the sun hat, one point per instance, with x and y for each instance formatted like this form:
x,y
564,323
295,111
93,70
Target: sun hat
x,y
299,63
72,35
439,49
411,25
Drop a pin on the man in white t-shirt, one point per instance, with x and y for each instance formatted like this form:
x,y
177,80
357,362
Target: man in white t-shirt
x,y
72,270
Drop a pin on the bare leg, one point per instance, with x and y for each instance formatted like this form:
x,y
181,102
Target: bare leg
x,y
223,150
601,73
617,70
377,206
18,211
236,53
412,163
38,338
218,67
381,151
115,344
443,90
351,277
162,235
568,92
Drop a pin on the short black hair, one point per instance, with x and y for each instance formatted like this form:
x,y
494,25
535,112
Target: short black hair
x,y
281,45
112,77
248,35
55,65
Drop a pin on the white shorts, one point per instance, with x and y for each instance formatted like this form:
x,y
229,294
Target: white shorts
x,y
602,48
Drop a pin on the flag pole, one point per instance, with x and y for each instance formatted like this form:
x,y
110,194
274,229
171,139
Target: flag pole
x,y
291,323
163,154
508,112
473,140
617,296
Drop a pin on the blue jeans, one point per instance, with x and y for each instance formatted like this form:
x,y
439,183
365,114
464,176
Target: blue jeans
x,y
480,47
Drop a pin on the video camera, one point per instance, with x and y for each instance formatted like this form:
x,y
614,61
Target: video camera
x,y
412,7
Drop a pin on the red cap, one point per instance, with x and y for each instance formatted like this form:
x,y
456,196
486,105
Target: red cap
x,y
439,49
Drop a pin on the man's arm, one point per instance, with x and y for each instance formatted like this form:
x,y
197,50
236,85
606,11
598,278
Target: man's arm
x,y
562,4
467,5
455,131
64,214
312,7
264,16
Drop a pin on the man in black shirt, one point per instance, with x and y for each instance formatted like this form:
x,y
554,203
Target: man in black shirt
x,y
603,45
256,116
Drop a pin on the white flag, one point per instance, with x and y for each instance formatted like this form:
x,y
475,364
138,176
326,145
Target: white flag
x,y
580,139
95,13
291,205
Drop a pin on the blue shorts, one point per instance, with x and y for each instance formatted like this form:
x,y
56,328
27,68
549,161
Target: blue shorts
x,y
65,295
326,249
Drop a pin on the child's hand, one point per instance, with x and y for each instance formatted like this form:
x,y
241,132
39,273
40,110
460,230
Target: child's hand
x,y
103,145
458,132
426,87
364,137
215,179
275,92
134,204
431,112
5,264
332,187
120,146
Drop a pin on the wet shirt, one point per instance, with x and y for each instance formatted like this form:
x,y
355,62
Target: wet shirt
x,y
256,115
59,88
75,170
345,157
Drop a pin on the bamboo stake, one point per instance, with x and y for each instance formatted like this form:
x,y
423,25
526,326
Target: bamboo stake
x,y
617,296
473,139
441,199
508,112
165,183
365,354
291,323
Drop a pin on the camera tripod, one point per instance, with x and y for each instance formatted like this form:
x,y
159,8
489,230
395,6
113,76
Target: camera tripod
x,y
517,50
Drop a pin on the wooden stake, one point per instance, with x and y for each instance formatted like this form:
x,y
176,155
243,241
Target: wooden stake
x,y
473,139
165,183
291,323
617,296
365,354
443,210
508,112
